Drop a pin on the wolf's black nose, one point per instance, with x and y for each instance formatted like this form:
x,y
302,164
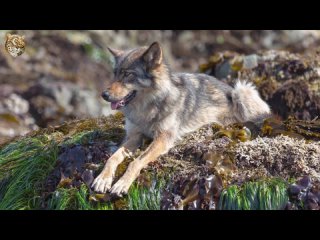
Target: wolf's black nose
x,y
105,95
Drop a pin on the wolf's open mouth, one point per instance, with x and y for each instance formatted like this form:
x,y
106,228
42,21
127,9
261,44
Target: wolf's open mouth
x,y
123,102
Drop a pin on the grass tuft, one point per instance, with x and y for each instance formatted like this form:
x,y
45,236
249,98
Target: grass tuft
x,y
74,199
24,165
143,198
262,195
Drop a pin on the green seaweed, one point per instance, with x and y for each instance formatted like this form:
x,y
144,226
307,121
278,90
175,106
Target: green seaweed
x,y
262,195
139,198
9,118
75,199
24,165
144,198
26,162
292,127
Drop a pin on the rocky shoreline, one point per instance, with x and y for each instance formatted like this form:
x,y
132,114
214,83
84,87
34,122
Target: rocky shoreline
x,y
202,167
56,133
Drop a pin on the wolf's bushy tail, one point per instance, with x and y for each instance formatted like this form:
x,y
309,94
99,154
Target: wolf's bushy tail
x,y
247,103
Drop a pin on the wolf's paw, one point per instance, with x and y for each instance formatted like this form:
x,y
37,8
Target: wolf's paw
x,y
102,184
120,188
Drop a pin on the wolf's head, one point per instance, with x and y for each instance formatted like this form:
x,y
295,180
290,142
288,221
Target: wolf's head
x,y
135,70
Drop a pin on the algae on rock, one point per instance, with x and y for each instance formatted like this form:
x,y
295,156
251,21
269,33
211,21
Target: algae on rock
x,y
53,168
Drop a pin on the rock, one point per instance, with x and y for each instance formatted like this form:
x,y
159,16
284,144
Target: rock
x,y
294,190
295,98
305,182
66,85
193,194
87,177
304,194
199,167
288,82
53,102
14,117
280,156
78,163
250,61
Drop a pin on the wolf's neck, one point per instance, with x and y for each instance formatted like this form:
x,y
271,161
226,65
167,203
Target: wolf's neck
x,y
164,85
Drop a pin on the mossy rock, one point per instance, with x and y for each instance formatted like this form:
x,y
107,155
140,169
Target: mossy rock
x,y
53,168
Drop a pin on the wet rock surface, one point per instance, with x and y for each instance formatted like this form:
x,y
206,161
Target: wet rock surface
x,y
233,161
213,168
77,165
304,194
193,193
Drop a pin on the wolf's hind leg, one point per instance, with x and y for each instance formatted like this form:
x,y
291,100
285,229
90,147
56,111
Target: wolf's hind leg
x,y
160,145
103,182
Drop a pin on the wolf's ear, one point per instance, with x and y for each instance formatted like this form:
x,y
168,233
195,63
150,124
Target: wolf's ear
x,y
115,52
153,55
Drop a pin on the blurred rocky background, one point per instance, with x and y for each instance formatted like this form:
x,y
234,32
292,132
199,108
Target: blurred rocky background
x,y
62,73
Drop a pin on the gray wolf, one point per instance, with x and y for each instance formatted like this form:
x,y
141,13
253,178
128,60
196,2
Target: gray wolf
x,y
163,105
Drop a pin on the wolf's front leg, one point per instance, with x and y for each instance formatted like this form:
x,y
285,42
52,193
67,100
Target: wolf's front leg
x,y
160,145
103,182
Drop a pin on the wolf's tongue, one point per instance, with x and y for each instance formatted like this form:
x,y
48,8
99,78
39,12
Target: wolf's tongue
x,y
116,105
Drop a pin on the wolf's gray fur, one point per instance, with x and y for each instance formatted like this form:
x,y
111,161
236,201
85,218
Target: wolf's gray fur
x,y
165,106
